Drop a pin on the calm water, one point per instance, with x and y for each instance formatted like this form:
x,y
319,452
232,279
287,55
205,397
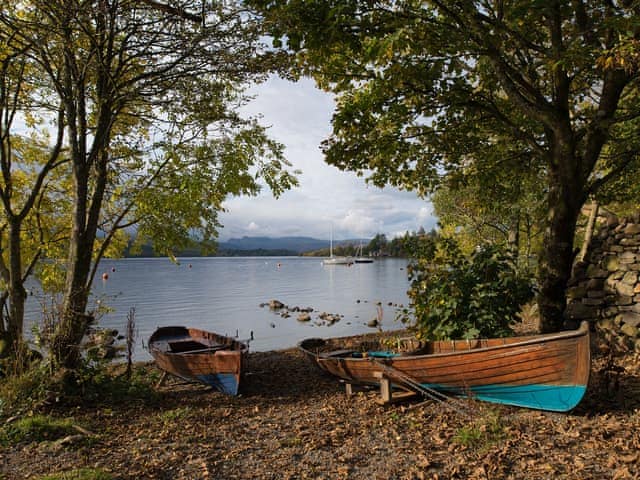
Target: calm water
x,y
224,295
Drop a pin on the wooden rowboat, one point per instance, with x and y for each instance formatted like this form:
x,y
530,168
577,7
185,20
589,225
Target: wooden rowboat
x,y
197,355
546,372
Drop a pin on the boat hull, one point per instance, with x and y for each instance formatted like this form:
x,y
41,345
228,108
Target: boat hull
x,y
546,372
338,261
196,355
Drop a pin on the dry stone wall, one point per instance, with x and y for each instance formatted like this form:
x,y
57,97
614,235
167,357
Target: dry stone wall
x,y
605,287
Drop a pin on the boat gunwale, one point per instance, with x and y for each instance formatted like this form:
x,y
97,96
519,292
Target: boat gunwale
x,y
231,347
581,331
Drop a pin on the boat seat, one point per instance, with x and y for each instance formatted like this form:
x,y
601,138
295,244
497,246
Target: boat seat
x,y
189,346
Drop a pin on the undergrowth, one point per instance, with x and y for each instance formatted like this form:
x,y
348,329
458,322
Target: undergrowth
x,y
37,428
38,389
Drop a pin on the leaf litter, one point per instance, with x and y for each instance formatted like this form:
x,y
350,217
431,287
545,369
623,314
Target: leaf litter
x,y
292,422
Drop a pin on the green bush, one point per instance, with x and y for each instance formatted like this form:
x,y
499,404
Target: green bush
x,y
454,296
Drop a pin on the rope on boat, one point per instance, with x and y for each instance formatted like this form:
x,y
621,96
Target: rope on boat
x,y
427,392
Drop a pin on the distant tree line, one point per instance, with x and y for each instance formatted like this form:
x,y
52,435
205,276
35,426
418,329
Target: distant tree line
x,y
379,246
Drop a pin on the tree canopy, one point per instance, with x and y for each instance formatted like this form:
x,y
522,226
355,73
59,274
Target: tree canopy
x,y
143,100
426,90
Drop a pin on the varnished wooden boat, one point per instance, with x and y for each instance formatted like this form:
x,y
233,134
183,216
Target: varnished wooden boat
x,y
546,372
201,356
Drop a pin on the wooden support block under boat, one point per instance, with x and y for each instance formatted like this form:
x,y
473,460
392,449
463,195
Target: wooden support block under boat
x,y
387,393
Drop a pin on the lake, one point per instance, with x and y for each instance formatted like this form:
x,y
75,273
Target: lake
x,y
224,295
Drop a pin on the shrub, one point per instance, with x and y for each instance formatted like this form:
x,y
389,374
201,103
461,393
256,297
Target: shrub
x,y
454,296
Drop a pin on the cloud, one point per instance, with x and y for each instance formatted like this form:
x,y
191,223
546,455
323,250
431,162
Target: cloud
x,y
299,117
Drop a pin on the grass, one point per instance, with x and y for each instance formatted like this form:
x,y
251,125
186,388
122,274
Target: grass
x,y
38,428
26,391
176,414
81,474
483,433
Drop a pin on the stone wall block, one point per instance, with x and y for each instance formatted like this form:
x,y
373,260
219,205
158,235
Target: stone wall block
x,y
617,275
627,256
577,292
611,263
595,284
611,285
593,302
629,330
610,312
629,242
596,294
594,272
632,229
630,278
630,318
625,290
580,311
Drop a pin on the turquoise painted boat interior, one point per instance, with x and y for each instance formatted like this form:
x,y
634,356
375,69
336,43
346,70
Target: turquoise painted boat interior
x,y
556,398
223,382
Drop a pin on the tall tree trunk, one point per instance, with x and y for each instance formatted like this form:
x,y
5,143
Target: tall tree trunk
x,y
556,260
74,321
16,290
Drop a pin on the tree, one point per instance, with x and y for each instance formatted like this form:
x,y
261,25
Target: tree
x,y
26,194
148,93
424,87
483,205
378,244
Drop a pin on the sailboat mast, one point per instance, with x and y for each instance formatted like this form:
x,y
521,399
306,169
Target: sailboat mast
x,y
331,243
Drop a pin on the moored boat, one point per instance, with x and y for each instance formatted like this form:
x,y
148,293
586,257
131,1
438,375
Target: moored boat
x,y
200,356
546,372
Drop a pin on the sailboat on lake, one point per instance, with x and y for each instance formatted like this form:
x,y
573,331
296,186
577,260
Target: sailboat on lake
x,y
360,258
334,260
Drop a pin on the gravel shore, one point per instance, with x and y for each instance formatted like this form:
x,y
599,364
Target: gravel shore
x,y
292,422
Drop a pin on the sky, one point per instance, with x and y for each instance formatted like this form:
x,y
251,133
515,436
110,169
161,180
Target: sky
x,y
327,200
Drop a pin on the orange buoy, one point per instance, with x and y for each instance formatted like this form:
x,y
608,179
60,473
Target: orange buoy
x,y
105,276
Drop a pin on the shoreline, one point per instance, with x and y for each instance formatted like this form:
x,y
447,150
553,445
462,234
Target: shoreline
x,y
292,422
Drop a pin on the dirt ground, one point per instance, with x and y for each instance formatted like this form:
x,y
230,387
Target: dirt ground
x,y
292,422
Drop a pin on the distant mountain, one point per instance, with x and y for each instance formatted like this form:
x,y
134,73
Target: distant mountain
x,y
258,246
295,245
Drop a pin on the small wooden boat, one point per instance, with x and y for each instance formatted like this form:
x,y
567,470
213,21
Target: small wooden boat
x,y
197,355
546,372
